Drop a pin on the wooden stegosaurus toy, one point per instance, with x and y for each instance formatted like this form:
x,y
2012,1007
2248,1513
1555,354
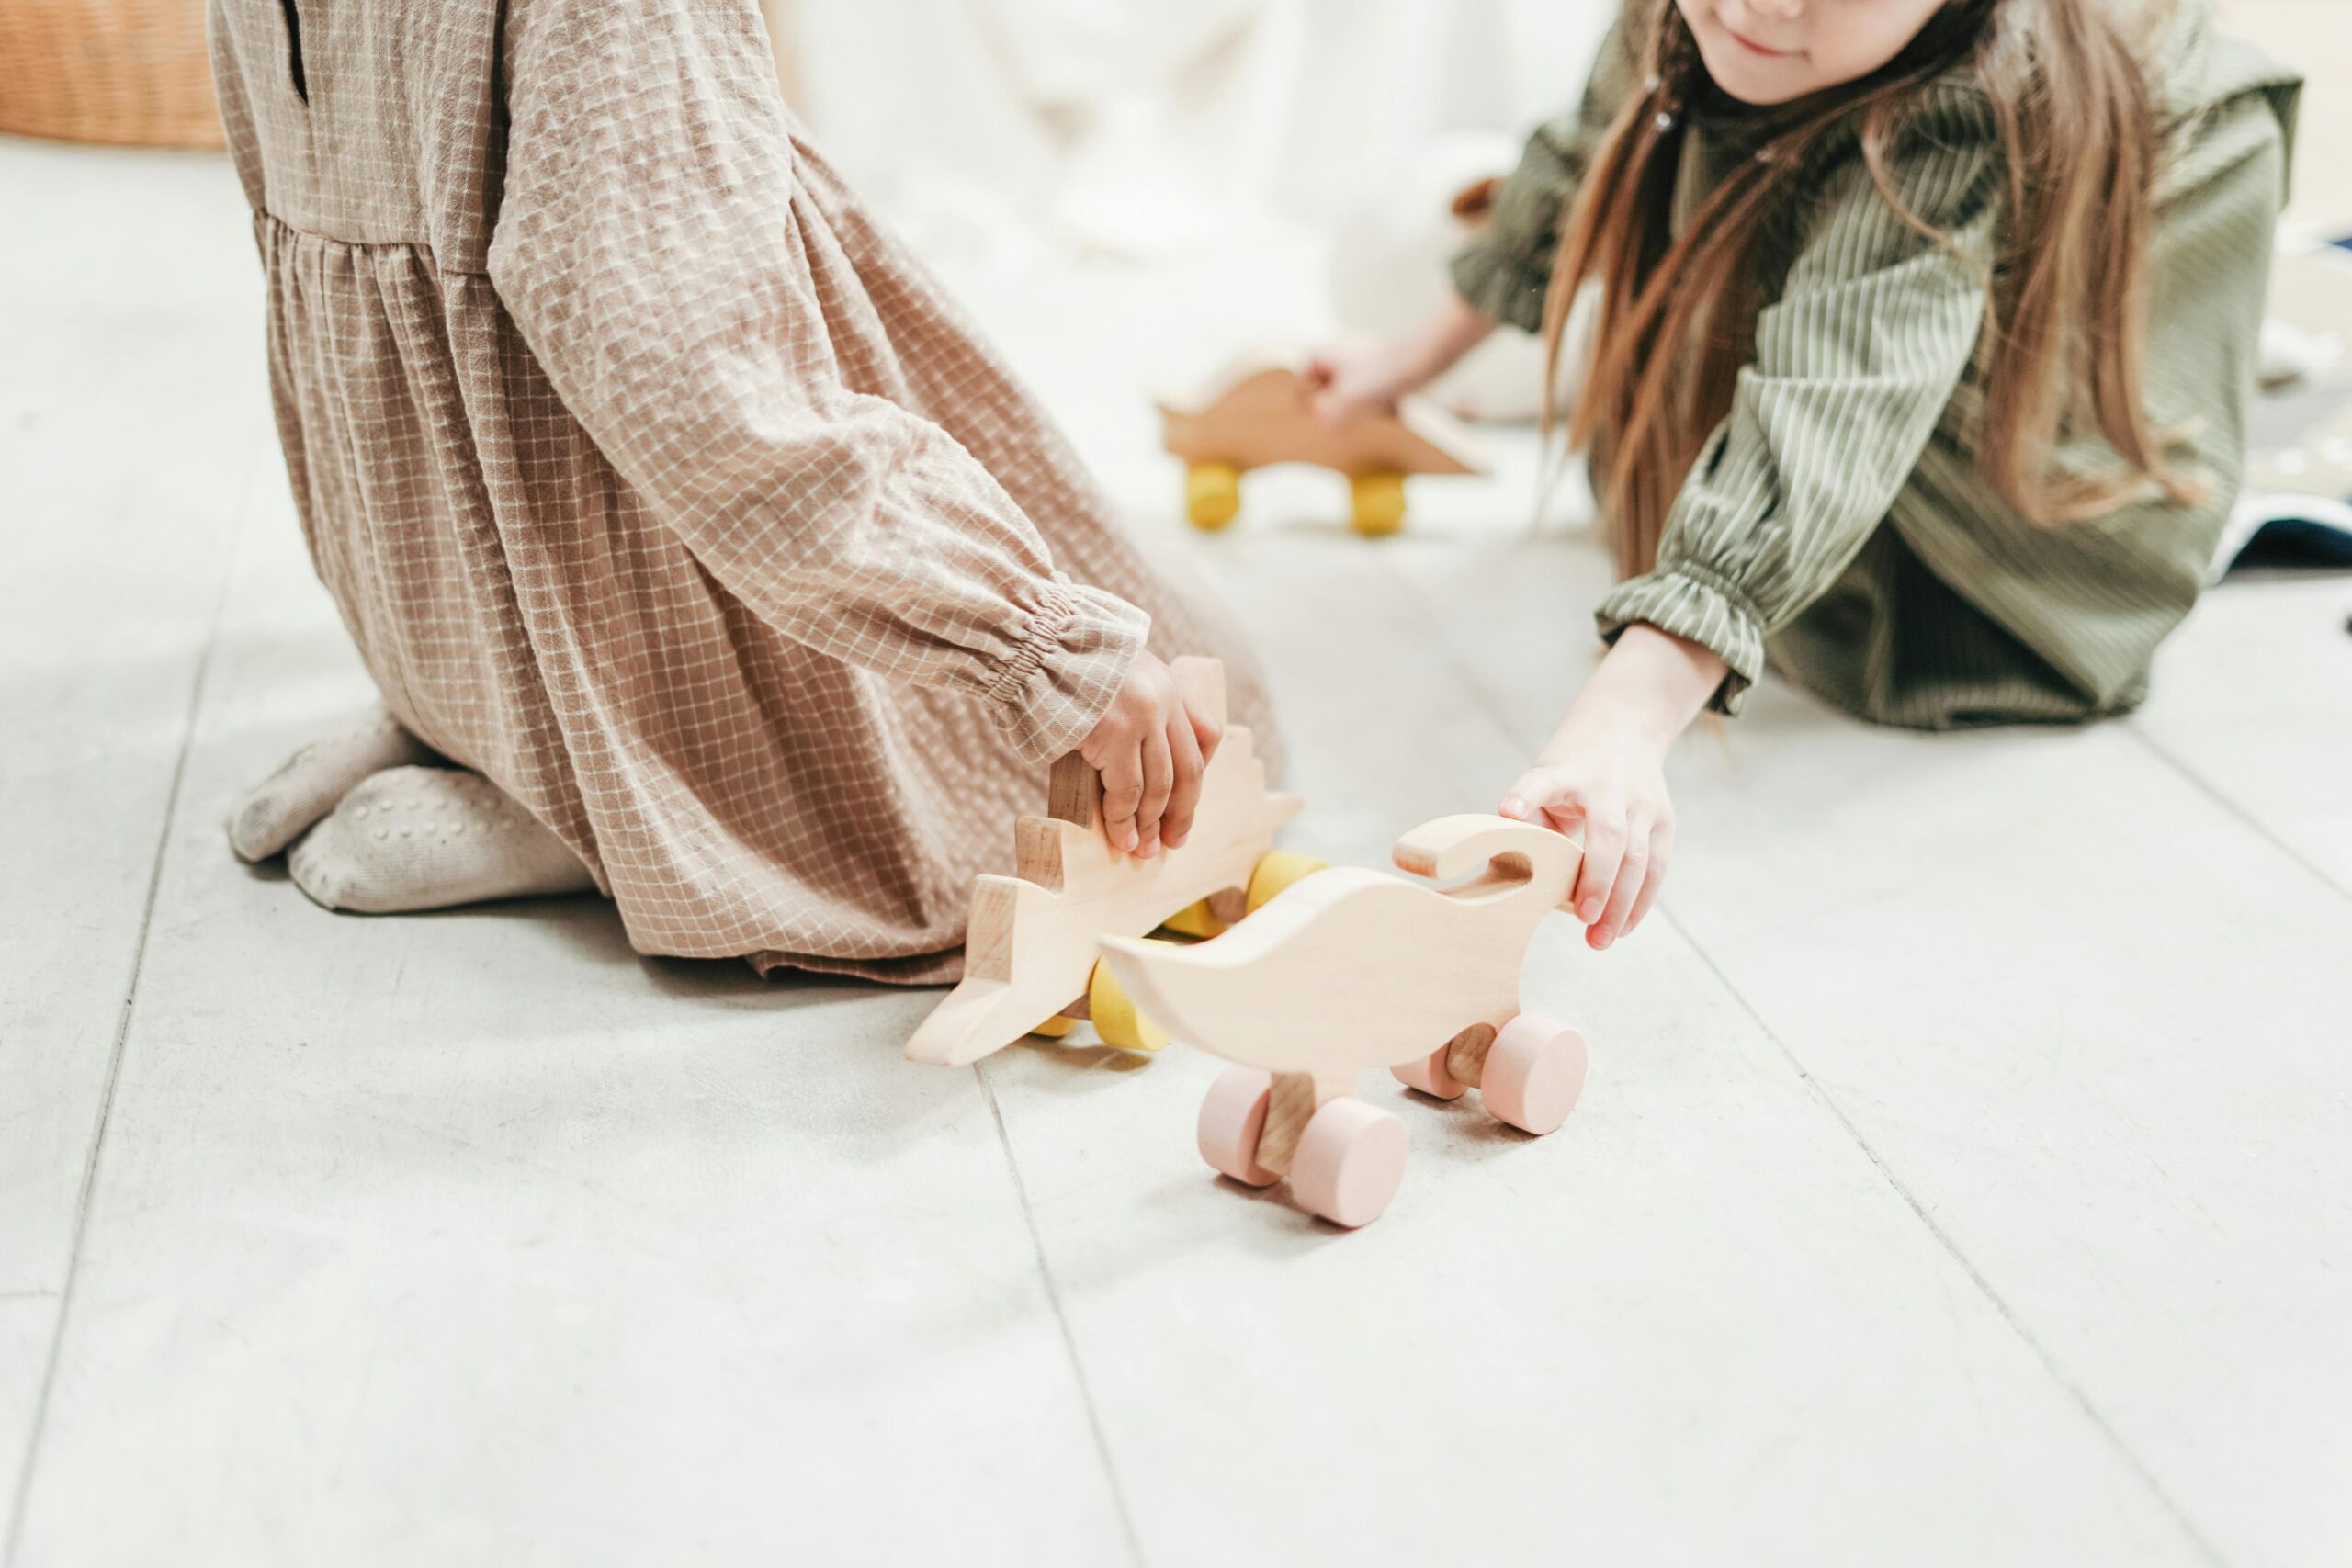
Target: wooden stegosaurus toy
x,y
1032,957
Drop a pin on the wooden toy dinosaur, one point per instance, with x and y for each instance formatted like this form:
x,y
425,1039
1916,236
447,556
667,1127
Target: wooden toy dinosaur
x,y
1256,413
1351,969
1031,962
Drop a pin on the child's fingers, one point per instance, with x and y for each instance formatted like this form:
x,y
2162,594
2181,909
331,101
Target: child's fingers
x,y
1632,874
1207,733
1158,778
1184,793
1604,850
1122,794
1332,404
1536,797
1661,850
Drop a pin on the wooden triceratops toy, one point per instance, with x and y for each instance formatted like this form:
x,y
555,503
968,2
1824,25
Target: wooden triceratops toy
x,y
1350,969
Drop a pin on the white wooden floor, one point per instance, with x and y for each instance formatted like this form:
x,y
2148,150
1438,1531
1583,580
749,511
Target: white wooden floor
x,y
1966,1177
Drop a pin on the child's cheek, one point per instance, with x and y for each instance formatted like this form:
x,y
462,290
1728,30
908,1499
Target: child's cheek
x,y
1863,39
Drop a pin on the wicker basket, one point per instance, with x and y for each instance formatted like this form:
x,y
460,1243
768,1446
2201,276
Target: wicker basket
x,y
132,72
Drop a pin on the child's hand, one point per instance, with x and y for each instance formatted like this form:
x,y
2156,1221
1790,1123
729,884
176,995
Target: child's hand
x,y
1150,749
1349,380
1346,382
1609,781
1604,774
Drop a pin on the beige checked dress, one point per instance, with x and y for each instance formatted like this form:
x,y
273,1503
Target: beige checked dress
x,y
658,483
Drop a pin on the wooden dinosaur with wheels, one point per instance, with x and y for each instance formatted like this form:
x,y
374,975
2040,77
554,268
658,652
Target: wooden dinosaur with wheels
x,y
1351,969
1031,958
1256,413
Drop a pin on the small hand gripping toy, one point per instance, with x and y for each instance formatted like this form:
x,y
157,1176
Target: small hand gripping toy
x,y
1031,961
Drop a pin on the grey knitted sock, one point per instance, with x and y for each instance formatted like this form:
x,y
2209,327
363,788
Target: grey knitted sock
x,y
275,812
412,838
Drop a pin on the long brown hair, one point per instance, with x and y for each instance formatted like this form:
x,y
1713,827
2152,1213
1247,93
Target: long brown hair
x,y
2065,338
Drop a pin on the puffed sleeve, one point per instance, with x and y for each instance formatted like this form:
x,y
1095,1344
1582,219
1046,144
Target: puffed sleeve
x,y
1506,271
1855,362
650,250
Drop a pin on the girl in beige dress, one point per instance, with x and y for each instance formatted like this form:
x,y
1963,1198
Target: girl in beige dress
x,y
700,550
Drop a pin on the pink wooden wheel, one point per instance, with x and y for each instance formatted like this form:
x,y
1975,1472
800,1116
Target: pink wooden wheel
x,y
1350,1161
1232,1117
1533,1074
1429,1075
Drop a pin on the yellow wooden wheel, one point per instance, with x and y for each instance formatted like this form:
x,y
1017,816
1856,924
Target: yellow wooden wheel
x,y
1277,870
1115,1018
1054,1027
1379,504
1195,920
1212,495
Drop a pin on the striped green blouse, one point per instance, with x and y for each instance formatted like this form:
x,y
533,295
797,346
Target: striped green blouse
x,y
1837,523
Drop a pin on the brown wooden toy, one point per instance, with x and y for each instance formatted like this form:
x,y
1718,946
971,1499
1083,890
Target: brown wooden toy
x,y
1032,965
1351,969
1255,414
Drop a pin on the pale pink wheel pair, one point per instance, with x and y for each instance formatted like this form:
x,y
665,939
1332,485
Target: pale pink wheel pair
x,y
1530,1073
1350,1158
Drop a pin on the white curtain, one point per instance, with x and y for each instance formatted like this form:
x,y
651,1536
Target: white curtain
x,y
1135,127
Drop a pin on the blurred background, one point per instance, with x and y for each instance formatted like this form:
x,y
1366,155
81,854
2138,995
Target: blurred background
x,y
1130,127
1120,129
1260,173
1322,138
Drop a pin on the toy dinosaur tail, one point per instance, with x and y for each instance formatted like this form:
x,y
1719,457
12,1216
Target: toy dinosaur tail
x,y
1519,861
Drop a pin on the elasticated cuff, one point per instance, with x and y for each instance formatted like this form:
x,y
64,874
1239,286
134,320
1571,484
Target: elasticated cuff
x,y
1069,665
1692,604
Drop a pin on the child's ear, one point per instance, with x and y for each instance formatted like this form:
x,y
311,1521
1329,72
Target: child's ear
x,y
1476,203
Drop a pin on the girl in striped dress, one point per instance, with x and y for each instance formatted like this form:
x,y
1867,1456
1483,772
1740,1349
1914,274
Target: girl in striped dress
x,y
1925,341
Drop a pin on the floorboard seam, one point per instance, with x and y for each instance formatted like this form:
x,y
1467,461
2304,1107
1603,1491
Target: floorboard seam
x,y
2041,1352
1061,1320
2206,787
1472,680
22,1492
